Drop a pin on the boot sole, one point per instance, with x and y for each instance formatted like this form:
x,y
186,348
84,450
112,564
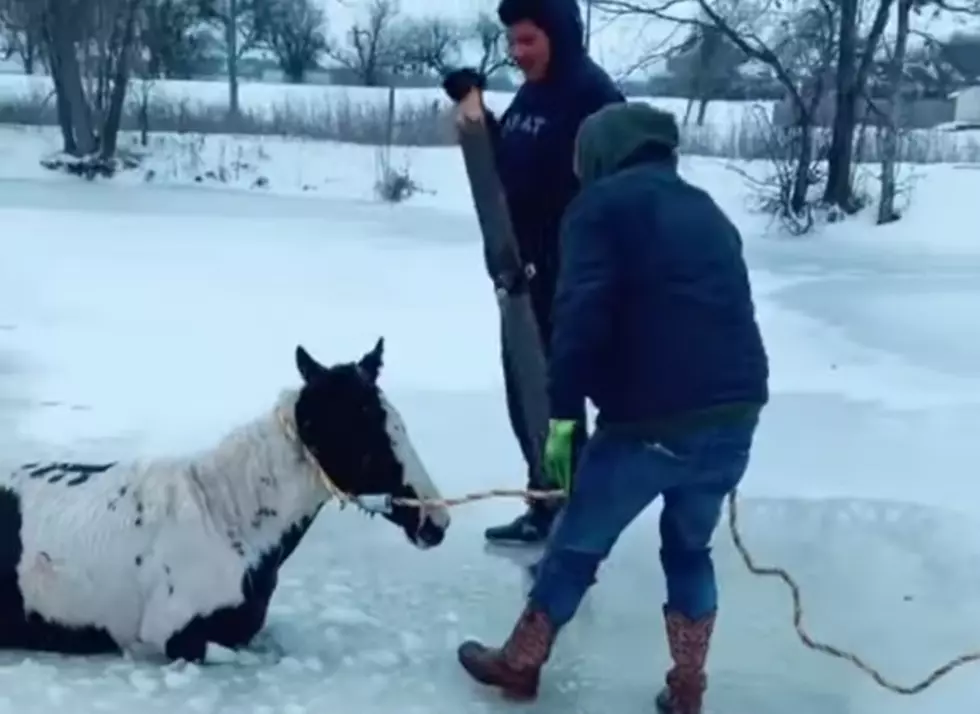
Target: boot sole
x,y
517,696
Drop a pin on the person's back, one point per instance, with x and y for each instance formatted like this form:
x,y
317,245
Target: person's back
x,y
682,342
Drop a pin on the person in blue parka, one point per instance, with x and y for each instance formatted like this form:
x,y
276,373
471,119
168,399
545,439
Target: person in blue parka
x,y
655,324
534,146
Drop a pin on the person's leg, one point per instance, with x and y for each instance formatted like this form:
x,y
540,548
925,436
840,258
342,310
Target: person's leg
x,y
688,521
616,480
538,520
542,300
531,526
547,513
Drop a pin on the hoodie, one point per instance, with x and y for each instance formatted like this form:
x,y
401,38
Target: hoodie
x,y
534,139
654,319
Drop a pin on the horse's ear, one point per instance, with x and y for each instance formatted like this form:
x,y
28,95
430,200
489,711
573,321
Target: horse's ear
x,y
371,363
309,369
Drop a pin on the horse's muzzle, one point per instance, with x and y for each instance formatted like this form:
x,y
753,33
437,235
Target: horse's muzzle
x,y
429,534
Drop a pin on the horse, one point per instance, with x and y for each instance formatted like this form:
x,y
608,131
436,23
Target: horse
x,y
178,558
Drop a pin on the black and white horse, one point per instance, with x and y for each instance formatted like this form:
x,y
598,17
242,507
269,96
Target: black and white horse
x,y
179,557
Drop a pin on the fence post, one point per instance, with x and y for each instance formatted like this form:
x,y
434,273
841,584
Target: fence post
x,y
390,128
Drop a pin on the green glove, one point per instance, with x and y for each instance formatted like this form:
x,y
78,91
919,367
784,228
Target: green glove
x,y
558,453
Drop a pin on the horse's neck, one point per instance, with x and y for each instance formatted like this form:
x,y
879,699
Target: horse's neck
x,y
256,482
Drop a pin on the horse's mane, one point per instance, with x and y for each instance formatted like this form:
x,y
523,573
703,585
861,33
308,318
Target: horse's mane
x,y
230,479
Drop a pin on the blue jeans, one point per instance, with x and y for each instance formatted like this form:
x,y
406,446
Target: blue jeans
x,y
617,478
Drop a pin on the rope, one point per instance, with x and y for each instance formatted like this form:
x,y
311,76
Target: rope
x,y
733,527
289,428
830,650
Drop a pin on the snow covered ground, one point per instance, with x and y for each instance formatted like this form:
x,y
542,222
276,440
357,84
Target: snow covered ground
x,y
142,318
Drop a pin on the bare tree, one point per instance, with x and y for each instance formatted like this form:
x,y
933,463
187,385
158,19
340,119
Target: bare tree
x,y
795,40
490,38
371,50
428,44
295,33
20,32
896,74
751,27
241,25
90,45
855,60
709,63
856,55
173,37
896,67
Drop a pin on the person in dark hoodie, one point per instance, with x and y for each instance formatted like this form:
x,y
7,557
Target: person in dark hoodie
x,y
655,323
534,145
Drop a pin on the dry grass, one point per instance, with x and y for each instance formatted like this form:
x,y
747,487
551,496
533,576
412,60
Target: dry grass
x,y
427,124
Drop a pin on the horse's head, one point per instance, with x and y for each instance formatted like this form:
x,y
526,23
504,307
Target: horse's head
x,y
360,441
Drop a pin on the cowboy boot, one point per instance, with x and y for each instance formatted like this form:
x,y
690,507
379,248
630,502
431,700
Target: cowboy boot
x,y
686,681
516,667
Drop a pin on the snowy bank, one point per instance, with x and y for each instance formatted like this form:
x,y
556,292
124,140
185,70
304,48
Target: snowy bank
x,y
937,199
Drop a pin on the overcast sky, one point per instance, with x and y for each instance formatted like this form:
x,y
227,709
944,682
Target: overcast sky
x,y
618,45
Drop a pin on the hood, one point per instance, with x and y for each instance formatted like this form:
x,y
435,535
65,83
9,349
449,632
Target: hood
x,y
561,20
610,138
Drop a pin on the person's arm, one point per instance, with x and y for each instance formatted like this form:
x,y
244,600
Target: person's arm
x,y
459,83
583,306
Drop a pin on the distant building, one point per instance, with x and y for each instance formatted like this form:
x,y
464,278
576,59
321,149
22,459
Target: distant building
x,y
967,111
914,113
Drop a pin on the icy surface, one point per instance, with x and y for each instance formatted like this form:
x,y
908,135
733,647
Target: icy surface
x,y
152,319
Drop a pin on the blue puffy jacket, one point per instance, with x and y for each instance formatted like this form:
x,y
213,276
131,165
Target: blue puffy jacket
x,y
654,319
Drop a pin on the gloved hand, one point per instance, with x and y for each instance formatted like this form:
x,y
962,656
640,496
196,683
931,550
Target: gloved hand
x,y
460,82
558,453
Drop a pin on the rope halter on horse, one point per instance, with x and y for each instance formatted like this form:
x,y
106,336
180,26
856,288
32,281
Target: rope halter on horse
x,y
372,503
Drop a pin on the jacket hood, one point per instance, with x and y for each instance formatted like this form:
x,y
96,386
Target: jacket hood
x,y
610,138
561,20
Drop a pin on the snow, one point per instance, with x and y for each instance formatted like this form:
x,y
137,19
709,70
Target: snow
x,y
147,317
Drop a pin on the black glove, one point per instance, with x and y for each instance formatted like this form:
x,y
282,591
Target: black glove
x,y
459,82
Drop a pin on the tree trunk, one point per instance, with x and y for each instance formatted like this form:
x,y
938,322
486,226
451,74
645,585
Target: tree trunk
x,y
28,53
64,116
801,178
293,69
68,78
852,77
703,110
120,82
838,189
886,202
63,111
687,111
231,43
144,113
